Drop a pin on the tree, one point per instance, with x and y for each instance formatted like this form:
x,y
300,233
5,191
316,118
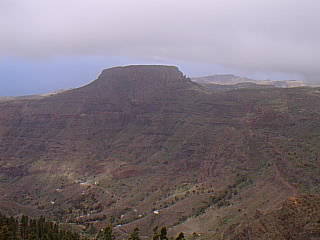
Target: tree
x,y
32,229
163,234
180,236
24,223
106,234
4,233
135,234
156,235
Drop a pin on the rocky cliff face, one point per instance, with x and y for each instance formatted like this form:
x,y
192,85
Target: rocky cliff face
x,y
146,138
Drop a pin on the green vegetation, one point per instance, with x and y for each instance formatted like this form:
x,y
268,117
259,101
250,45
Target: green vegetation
x,y
106,234
135,234
33,229
24,228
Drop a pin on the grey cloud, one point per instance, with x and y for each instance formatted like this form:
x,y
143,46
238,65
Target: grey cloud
x,y
254,35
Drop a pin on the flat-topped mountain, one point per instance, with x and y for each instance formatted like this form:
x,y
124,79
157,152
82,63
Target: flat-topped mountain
x,y
149,147
151,75
139,79
119,89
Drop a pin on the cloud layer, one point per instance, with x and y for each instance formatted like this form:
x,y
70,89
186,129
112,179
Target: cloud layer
x,y
264,35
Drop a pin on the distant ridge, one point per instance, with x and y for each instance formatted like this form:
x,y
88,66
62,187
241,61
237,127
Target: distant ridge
x,y
229,79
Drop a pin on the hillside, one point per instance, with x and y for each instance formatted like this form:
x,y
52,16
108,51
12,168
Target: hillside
x,y
298,218
147,146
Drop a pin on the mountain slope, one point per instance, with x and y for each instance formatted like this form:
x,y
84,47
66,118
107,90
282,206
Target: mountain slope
x,y
298,218
142,140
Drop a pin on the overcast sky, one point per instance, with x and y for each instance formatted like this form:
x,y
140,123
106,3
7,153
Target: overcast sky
x,y
51,44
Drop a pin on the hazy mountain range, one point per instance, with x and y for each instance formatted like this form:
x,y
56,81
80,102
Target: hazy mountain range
x,y
229,79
